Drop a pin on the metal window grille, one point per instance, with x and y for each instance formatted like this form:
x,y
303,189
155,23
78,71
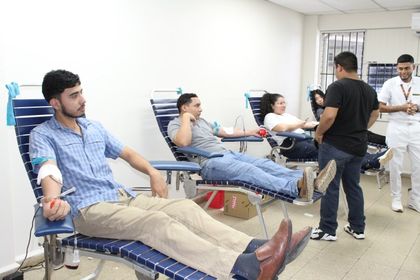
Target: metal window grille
x,y
378,73
333,43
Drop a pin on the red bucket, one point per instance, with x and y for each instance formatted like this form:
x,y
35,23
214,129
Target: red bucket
x,y
218,201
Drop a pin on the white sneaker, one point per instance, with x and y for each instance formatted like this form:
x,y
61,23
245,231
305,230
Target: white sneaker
x,y
413,204
396,205
385,158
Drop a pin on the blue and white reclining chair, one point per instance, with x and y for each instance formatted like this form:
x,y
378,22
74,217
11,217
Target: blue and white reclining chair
x,y
254,99
146,261
165,109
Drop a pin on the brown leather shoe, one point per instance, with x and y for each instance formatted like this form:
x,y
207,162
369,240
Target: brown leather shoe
x,y
272,254
306,191
298,243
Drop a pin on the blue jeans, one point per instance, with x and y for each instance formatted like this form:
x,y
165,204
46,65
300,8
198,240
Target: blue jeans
x,y
371,161
348,170
258,171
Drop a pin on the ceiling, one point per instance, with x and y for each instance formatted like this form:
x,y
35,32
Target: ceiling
x,y
323,7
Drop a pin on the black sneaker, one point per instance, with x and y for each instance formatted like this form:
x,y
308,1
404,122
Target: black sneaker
x,y
319,234
355,234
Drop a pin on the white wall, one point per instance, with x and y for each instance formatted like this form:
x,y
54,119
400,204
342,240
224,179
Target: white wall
x,y
311,39
124,49
7,223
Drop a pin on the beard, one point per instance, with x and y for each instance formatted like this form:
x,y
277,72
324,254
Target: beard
x,y
66,113
407,79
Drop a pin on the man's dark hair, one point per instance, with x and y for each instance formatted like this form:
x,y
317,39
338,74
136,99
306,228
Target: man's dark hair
x,y
267,100
185,98
347,60
56,81
405,58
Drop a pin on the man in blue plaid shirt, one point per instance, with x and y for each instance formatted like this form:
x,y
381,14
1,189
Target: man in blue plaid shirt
x,y
71,151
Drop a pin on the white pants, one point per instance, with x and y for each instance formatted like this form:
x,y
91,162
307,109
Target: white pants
x,y
404,137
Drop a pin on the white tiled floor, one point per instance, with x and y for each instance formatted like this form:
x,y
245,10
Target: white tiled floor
x,y
391,249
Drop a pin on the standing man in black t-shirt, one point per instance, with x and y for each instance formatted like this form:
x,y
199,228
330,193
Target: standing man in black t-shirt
x,y
351,107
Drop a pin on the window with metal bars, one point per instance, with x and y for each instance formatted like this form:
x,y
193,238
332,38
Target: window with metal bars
x,y
333,43
378,73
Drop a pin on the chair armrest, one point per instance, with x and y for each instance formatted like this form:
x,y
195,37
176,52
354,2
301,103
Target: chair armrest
x,y
376,145
44,226
175,165
243,139
297,136
198,152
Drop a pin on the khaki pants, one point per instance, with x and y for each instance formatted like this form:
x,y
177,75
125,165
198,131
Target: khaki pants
x,y
177,228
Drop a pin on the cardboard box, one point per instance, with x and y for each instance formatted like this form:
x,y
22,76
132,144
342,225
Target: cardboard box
x,y
238,205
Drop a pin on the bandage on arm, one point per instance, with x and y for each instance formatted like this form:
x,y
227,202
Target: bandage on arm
x,y
49,169
50,178
229,130
218,129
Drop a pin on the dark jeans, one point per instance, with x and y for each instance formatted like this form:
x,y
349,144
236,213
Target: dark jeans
x,y
348,170
302,149
371,161
306,149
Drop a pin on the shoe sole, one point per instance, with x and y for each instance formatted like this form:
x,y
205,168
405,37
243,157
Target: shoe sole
x,y
329,238
325,177
309,178
283,265
398,210
385,158
299,248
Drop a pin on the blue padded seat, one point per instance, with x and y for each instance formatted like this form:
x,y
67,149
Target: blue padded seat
x,y
138,252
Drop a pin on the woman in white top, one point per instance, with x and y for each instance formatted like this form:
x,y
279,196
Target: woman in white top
x,y
273,113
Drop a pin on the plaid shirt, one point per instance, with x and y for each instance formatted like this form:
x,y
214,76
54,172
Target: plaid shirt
x,y
80,158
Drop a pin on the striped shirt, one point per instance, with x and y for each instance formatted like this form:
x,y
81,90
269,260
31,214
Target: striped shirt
x,y
82,160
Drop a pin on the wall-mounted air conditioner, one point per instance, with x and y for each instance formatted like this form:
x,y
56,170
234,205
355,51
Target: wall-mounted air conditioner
x,y
415,22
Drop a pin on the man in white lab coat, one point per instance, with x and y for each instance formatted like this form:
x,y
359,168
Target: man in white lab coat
x,y
400,97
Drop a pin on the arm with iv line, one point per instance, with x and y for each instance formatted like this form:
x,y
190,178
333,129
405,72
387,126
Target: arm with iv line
x,y
49,176
226,132
231,132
